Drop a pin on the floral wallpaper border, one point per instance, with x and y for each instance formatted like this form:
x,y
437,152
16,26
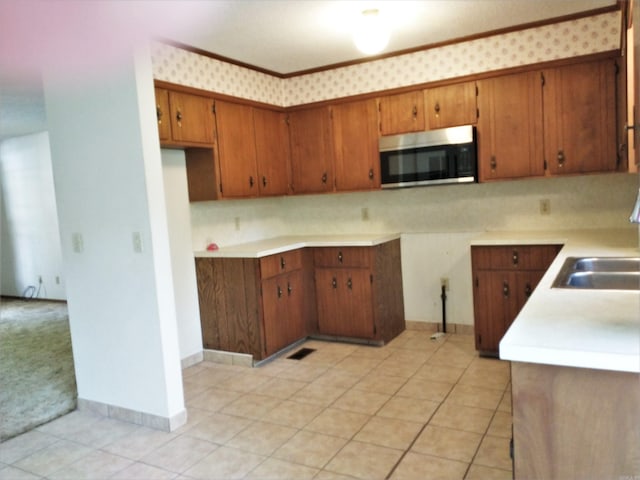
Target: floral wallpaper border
x,y
598,33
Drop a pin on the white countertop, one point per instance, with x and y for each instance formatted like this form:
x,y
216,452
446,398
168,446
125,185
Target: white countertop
x,y
597,329
271,246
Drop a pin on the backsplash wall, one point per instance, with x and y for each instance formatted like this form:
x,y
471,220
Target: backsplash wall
x,y
437,223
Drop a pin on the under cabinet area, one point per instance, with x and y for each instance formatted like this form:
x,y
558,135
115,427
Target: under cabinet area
x,y
504,277
262,305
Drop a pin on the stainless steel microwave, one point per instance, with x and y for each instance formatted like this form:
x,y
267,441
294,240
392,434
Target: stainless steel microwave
x,y
446,155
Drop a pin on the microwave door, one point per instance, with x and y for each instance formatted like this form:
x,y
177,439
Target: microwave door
x,y
398,168
432,164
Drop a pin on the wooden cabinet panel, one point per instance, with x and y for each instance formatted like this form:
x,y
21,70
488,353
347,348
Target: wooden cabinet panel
x,y
342,257
503,279
311,141
236,150
272,151
401,113
509,127
282,298
202,174
345,302
280,263
163,114
580,118
451,105
357,164
192,119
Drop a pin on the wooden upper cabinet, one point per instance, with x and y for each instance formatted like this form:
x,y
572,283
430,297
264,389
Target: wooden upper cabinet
x,y
357,165
163,114
236,150
450,105
580,117
401,113
311,141
510,131
192,118
272,151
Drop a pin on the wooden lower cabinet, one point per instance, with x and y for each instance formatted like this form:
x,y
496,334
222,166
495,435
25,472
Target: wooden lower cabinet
x,y
503,279
359,292
246,306
259,306
574,423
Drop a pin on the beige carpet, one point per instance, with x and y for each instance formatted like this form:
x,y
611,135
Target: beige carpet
x,y
37,379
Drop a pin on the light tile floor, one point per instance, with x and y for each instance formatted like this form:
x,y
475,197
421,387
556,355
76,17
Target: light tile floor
x,y
416,408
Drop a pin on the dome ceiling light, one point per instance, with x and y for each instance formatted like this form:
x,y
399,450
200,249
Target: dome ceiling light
x,y
371,35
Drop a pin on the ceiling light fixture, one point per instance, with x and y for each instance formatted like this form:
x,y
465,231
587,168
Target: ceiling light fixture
x,y
371,35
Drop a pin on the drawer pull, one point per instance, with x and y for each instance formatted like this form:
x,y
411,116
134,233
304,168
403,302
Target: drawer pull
x,y
289,289
282,263
528,290
279,292
514,257
505,290
334,282
349,284
340,257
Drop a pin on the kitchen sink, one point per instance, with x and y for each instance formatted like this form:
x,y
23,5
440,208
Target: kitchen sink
x,y
599,273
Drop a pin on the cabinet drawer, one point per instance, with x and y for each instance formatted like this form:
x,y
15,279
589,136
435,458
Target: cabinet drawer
x,y
514,257
342,257
280,263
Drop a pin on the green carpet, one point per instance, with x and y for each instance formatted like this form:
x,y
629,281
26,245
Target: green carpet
x,y
37,379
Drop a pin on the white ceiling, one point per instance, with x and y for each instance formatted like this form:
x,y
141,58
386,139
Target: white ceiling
x,y
281,36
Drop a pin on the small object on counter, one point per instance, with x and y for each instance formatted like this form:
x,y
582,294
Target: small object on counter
x,y
212,246
635,215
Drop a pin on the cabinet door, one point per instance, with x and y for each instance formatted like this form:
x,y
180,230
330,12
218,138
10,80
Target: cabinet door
x,y
357,165
191,118
451,105
272,151
311,150
274,307
163,114
510,127
345,305
492,301
401,113
236,150
580,118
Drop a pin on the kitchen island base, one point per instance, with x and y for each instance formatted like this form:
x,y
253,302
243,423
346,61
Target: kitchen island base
x,y
575,423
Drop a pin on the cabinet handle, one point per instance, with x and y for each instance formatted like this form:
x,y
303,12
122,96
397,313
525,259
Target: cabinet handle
x,y
334,283
561,158
493,163
415,111
179,116
505,289
250,181
282,263
514,257
289,289
159,113
279,292
264,181
340,256
437,108
371,174
349,284
528,290
324,177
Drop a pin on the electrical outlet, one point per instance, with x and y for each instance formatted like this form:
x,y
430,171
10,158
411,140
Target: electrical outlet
x,y
365,214
545,206
444,282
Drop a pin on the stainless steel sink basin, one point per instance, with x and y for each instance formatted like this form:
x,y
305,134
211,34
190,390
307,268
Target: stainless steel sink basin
x,y
599,273
607,264
604,280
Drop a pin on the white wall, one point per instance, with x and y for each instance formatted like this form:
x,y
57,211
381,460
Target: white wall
x,y
437,224
108,180
182,262
30,240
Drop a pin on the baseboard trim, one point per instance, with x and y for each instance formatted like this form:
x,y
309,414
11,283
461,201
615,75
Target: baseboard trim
x,y
458,328
191,360
156,422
